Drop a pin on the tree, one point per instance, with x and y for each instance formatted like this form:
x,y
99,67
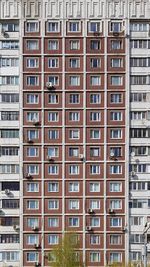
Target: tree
x,y
66,253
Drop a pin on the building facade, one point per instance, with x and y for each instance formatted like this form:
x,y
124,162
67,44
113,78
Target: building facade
x,y
74,116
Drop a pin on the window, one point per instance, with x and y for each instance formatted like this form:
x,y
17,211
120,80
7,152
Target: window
x,y
9,62
116,80
74,116
53,204
53,98
9,151
116,116
138,97
13,186
32,187
32,222
116,151
139,27
33,204
95,80
10,203
53,62
9,256
74,80
139,186
95,222
74,26
116,98
53,45
32,256
138,133
32,80
73,152
10,115
74,134
95,256
94,239
116,134
32,26
115,187
73,204
74,99
53,239
9,80
53,151
139,203
53,134
94,169
32,44
53,116
9,238
74,45
95,45
136,220
116,62
115,239
9,98
74,63
115,26
32,239
32,134
95,62
53,26
9,169
139,79
53,222
115,257
9,45
94,26
53,169
95,116
136,255
54,80
94,187
142,44
32,116
10,26
32,62
94,204
53,187
33,169
74,222
115,204
94,151
115,222
116,44
115,169
95,98
74,187
140,62
32,151
32,98
95,134
74,169
138,115
9,133
136,239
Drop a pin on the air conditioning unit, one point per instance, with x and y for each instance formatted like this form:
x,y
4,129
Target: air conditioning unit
x,y
35,122
124,229
49,85
7,191
88,228
81,156
35,228
90,211
50,158
37,264
16,227
111,211
28,175
36,245
112,154
133,173
30,141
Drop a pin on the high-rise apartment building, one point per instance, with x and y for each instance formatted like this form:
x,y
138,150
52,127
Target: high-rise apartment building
x,y
74,129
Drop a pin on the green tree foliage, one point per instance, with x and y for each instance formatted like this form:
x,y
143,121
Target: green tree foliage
x,y
65,253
